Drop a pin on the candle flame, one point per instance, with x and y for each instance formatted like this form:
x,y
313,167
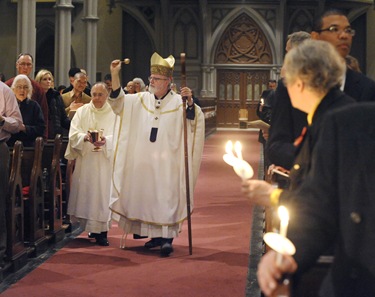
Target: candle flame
x,y
240,166
229,147
238,149
283,213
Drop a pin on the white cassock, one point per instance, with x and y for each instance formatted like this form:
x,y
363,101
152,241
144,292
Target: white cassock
x,y
91,181
149,195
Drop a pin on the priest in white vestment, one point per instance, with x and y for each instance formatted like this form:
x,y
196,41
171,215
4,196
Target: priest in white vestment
x,y
91,181
149,185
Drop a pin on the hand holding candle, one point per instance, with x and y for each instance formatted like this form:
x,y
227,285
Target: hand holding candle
x,y
279,242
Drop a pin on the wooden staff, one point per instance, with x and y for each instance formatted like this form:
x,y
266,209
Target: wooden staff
x,y
184,99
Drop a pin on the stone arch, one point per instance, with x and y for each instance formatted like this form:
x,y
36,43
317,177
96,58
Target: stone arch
x,y
254,18
45,47
186,33
243,42
301,20
139,40
148,27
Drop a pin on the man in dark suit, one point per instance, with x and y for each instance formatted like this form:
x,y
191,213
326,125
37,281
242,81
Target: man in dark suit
x,y
335,206
264,110
287,123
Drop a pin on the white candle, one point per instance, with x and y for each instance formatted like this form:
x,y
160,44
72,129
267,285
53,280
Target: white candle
x,y
238,149
240,166
229,148
284,221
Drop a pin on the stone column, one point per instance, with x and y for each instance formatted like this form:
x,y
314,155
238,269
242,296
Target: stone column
x,y
91,20
63,41
26,30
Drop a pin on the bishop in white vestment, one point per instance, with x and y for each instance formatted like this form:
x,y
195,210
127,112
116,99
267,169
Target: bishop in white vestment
x,y
149,194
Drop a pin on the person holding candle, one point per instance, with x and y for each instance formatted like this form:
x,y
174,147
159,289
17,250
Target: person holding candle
x,y
149,174
335,206
313,74
313,85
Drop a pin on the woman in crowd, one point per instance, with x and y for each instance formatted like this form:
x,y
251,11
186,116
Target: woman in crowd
x,y
57,118
32,116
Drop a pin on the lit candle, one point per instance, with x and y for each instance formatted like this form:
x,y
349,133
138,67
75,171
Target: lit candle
x,y
229,148
240,166
284,221
238,149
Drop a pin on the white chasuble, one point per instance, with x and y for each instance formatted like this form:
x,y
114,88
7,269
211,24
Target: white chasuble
x,y
91,181
149,186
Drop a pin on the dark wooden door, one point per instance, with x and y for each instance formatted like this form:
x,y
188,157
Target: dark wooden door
x,y
238,90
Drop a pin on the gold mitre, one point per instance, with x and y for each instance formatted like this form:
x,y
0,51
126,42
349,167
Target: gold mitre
x,y
162,66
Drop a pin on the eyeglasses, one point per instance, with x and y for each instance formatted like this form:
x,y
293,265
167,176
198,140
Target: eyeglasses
x,y
150,78
22,88
25,64
336,30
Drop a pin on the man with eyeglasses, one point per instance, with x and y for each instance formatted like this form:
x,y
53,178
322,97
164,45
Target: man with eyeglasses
x,y
149,186
334,27
10,123
24,65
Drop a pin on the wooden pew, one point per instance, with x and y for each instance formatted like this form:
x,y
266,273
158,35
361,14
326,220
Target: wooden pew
x,y
16,251
53,192
64,174
31,172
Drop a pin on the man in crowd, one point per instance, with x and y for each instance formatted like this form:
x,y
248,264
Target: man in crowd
x,y
10,123
24,65
264,109
149,174
76,97
332,26
72,72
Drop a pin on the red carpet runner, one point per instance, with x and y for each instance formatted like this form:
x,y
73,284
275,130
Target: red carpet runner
x,y
221,227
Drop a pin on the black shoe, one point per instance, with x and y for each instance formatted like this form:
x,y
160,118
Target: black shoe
x,y
136,236
166,249
154,242
101,239
92,235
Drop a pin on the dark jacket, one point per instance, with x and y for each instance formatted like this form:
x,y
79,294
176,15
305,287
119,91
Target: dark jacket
x,y
335,205
333,100
57,118
39,96
287,124
33,120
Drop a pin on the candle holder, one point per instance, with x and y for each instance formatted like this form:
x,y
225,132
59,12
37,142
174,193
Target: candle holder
x,y
279,243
